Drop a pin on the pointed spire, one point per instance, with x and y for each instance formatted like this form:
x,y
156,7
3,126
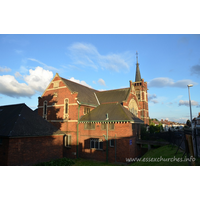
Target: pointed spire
x,y
137,75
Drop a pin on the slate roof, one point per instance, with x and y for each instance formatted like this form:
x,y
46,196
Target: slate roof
x,y
118,95
85,94
116,112
137,75
20,120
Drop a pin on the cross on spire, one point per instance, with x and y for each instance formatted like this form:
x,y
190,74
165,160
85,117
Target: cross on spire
x,y
137,56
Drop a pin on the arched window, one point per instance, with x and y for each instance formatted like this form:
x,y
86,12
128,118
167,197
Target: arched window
x,y
66,108
45,110
138,94
133,107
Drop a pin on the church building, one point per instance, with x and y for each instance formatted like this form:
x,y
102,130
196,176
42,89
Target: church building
x,y
99,125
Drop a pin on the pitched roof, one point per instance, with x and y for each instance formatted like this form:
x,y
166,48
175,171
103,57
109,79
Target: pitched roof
x,y
20,120
85,94
118,95
116,112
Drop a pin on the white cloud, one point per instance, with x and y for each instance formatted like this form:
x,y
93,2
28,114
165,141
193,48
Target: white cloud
x,y
94,82
152,98
167,82
80,82
186,103
18,75
154,101
11,87
39,78
5,69
101,82
44,65
87,55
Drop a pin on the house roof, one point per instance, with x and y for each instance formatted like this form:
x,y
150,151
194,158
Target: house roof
x,y
85,94
20,121
118,95
116,112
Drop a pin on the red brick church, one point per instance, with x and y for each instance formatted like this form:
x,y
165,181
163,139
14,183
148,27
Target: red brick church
x,y
101,125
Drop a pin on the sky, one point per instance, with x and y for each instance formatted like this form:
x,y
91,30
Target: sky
x,y
168,63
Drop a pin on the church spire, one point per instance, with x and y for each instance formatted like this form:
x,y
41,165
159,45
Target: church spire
x,y
137,75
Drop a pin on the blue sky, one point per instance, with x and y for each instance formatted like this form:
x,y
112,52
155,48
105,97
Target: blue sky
x,y
167,63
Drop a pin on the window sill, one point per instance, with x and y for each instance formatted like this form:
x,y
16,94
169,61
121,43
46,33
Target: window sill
x,y
68,147
96,149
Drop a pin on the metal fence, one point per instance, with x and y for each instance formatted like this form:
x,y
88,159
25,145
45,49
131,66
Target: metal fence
x,y
177,138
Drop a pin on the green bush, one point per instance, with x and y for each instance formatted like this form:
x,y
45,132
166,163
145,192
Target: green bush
x,y
58,162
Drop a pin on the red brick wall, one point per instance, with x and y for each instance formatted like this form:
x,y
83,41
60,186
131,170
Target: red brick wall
x,y
32,150
123,149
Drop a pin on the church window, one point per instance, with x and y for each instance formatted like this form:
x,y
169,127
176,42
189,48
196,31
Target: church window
x,y
90,126
66,108
86,110
45,110
56,84
133,108
138,94
103,126
112,142
96,143
67,140
111,126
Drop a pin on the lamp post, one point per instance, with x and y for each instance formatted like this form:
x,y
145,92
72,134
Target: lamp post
x,y
190,85
106,137
193,142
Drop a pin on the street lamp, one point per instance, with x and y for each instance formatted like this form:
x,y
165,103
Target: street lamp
x,y
190,85
193,142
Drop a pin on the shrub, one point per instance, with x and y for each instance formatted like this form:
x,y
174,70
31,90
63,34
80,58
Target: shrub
x,y
58,162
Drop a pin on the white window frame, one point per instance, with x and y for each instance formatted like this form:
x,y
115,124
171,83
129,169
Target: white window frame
x,y
86,110
66,115
97,142
67,140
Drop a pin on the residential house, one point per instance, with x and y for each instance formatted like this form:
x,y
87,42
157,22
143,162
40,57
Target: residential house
x,y
26,138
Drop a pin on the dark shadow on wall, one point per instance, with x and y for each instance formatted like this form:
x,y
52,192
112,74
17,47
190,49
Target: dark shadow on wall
x,y
52,110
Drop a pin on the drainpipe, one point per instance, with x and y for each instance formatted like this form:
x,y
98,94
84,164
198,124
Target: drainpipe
x,y
115,148
77,131
107,138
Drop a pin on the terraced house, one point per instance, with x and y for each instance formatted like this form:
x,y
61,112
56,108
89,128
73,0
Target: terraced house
x,y
101,125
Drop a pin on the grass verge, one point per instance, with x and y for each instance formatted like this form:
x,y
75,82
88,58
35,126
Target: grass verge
x,y
167,157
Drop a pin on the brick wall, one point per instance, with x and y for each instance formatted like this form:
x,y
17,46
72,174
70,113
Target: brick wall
x,y
124,149
32,150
